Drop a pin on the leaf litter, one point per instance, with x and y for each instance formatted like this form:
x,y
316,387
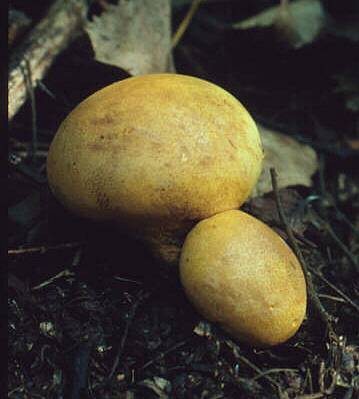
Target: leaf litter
x,y
134,35
86,319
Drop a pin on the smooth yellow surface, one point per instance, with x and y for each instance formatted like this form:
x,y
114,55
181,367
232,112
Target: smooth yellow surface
x,y
240,273
155,152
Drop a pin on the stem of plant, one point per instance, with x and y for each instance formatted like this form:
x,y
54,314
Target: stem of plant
x,y
325,317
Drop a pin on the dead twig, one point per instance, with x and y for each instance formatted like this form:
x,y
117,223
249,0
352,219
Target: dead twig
x,y
323,373
342,217
326,227
45,41
185,23
308,381
42,249
163,354
131,315
317,395
333,298
251,365
127,280
336,289
326,318
273,371
63,273
323,224
29,84
39,154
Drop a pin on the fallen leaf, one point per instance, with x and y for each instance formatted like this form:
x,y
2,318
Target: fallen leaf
x,y
295,163
47,328
134,35
203,329
160,386
265,209
305,20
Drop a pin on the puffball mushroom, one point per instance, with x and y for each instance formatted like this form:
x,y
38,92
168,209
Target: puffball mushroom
x,y
241,274
155,154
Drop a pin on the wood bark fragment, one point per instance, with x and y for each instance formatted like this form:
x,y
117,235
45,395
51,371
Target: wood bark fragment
x,y
40,48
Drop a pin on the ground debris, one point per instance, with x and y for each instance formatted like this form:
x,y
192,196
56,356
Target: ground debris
x,y
90,314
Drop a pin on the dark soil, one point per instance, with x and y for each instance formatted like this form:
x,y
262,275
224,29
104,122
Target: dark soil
x,y
98,318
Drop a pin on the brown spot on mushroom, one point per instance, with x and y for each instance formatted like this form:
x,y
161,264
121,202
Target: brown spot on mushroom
x,y
231,143
105,147
103,201
103,120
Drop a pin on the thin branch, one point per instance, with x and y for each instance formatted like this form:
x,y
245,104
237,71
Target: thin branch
x,y
63,273
342,217
42,249
44,42
31,94
326,226
163,354
336,289
326,318
185,22
326,197
251,365
333,298
131,315
273,371
127,280
317,395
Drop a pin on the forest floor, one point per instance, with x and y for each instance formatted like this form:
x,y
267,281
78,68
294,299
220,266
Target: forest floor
x,y
91,315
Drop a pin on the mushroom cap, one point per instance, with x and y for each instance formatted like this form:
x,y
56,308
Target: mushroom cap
x,y
162,149
240,273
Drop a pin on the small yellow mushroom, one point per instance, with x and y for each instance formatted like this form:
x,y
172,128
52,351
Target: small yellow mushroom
x,y
241,274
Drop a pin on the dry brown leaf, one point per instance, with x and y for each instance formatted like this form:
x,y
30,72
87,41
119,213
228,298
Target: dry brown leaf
x,y
265,209
134,35
294,162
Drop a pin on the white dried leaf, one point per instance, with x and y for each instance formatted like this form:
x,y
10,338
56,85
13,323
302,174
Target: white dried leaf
x,y
295,163
160,386
203,329
134,35
47,328
307,18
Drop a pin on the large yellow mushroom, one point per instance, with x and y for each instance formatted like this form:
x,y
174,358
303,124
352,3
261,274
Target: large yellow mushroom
x,y
241,274
155,154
